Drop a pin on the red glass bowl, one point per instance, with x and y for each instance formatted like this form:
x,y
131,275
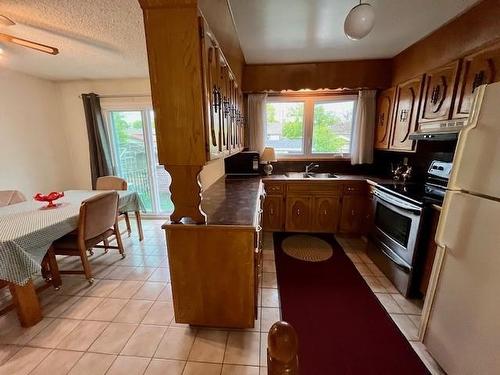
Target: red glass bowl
x,y
51,197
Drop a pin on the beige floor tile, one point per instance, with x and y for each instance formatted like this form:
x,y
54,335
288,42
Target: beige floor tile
x,y
24,361
113,339
120,273
243,348
57,305
269,316
74,285
426,358
134,311
406,326
149,291
374,284
197,368
144,341
386,283
165,367
416,320
176,343
270,298
59,362
7,351
269,280
375,270
268,266
408,306
161,274
107,310
363,269
128,365
389,303
365,258
83,335
12,333
239,370
81,308
102,288
93,364
166,294
355,258
209,346
54,333
263,349
263,370
161,313
268,255
141,273
126,289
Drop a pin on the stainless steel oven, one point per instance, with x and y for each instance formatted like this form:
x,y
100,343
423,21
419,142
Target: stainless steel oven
x,y
394,237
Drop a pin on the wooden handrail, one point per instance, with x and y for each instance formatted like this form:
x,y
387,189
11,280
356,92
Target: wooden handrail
x,y
282,347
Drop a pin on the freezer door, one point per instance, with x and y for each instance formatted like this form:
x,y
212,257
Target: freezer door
x,y
463,331
476,164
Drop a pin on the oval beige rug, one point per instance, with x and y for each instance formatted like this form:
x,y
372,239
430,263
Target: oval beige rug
x,y
307,248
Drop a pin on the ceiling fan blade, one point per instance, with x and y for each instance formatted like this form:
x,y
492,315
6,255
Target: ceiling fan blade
x,y
28,43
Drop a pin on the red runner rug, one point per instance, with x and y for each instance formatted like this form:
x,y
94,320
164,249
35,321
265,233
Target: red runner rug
x,y
341,325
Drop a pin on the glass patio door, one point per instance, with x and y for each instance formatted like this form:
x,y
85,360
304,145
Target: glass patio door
x,y
135,157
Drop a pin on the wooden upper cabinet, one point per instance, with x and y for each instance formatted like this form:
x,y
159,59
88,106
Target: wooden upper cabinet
x,y
406,106
477,69
438,93
385,104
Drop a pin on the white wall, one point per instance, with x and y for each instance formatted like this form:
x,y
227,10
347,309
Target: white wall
x,y
33,148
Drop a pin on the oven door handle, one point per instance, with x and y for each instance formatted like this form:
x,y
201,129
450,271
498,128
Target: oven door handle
x,y
408,207
395,260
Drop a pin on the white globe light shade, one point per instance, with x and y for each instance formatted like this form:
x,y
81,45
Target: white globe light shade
x,y
359,22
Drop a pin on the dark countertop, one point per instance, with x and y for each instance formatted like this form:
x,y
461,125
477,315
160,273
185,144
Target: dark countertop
x,y
232,201
374,180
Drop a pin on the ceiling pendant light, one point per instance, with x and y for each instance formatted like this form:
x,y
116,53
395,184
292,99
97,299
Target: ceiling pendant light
x,y
360,21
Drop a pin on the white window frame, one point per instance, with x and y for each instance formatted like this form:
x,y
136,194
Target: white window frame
x,y
309,101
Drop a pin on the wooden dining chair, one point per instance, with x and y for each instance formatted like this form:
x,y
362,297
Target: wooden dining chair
x,y
114,183
97,222
8,197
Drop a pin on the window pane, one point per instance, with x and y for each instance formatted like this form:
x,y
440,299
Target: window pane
x,y
163,177
332,127
130,153
285,127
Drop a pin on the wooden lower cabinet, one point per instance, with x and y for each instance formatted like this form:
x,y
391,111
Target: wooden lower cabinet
x,y
298,213
354,211
325,214
273,213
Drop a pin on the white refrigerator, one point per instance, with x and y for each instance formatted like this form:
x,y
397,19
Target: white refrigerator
x,y
461,317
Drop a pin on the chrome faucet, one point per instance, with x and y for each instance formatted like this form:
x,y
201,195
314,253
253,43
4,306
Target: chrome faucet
x,y
310,167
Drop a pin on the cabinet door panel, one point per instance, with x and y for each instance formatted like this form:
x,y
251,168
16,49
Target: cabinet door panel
x,y
477,69
438,93
298,214
353,214
385,104
406,107
326,211
273,213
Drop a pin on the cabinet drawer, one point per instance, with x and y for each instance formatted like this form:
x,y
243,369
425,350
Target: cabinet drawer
x,y
355,188
274,188
315,188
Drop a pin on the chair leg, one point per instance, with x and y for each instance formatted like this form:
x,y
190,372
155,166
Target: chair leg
x,y
119,240
86,265
54,268
127,222
106,245
45,270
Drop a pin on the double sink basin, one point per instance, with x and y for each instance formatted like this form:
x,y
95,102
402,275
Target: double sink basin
x,y
310,175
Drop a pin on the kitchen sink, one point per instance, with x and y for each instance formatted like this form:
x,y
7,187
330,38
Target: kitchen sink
x,y
310,175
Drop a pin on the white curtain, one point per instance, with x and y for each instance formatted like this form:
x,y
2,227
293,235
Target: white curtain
x,y
256,121
364,128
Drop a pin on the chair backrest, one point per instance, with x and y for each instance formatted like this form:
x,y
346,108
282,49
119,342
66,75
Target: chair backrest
x,y
8,197
98,214
110,183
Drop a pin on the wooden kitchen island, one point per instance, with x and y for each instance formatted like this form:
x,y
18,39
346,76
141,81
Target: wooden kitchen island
x,y
215,267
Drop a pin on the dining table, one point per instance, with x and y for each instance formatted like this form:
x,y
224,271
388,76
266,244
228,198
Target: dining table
x,y
27,230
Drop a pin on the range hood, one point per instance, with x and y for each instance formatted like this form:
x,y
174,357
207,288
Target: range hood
x,y
439,130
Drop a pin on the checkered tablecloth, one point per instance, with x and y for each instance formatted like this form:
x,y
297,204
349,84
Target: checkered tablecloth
x,y
27,230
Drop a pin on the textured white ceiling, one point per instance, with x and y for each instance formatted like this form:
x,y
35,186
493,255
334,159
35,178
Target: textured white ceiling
x,y
105,38
96,38
286,31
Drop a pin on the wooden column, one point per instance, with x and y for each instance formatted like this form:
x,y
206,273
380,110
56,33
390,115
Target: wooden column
x,y
175,68
282,348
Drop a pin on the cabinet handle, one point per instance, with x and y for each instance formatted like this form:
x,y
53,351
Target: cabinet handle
x,y
298,211
352,213
324,212
271,211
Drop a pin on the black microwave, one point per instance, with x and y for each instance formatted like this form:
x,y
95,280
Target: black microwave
x,y
243,163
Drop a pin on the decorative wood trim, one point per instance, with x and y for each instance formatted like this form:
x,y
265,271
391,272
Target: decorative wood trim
x,y
185,191
151,4
282,349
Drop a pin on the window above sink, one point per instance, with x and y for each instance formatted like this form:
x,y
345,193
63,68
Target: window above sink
x,y
308,127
